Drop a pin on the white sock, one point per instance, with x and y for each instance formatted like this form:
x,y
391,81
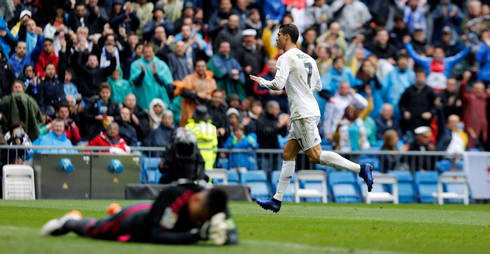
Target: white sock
x,y
287,172
334,160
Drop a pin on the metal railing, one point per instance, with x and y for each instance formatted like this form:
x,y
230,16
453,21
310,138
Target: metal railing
x,y
264,159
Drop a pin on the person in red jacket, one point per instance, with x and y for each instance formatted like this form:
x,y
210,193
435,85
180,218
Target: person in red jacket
x,y
111,138
47,56
71,130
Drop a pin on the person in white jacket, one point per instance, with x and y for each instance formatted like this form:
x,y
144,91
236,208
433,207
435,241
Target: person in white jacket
x,y
335,108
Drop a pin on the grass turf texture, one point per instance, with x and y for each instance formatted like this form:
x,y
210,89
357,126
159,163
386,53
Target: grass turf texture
x,y
297,228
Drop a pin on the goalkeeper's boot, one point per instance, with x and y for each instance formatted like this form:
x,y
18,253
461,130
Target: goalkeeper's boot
x,y
366,174
271,204
55,226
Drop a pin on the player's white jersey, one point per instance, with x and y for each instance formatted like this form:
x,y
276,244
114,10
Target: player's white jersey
x,y
299,73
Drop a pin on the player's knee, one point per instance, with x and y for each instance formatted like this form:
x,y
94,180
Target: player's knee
x,y
314,158
287,156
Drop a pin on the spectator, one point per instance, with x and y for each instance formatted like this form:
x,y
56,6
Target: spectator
x,y
390,161
382,66
231,33
108,44
56,137
382,48
309,44
449,138
419,43
30,33
51,91
336,34
31,82
139,118
351,15
351,133
253,22
273,10
161,135
332,80
159,19
228,72
451,103
7,75
446,14
265,95
20,58
217,110
194,43
251,57
475,11
101,112
123,17
56,29
417,103
422,144
207,137
196,90
317,15
437,67
385,121
396,82
475,105
450,46
151,78
366,77
233,116
219,19
250,121
270,124
80,17
137,54
70,127
160,43
126,131
179,62
91,75
19,106
69,88
241,9
76,111
156,113
400,30
120,87
47,56
7,40
187,12
414,17
242,141
17,136
144,11
483,57
337,105
111,138
324,60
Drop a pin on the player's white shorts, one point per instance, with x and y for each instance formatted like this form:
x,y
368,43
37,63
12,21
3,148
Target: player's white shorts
x,y
305,130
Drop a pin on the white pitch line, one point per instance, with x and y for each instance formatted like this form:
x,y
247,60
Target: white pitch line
x,y
316,248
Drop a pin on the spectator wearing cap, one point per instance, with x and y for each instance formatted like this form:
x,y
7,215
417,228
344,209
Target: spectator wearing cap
x,y
419,41
159,19
126,131
438,67
217,110
233,116
414,17
231,33
265,95
417,103
219,19
196,89
161,135
123,17
180,63
351,15
451,47
251,58
421,143
206,134
144,10
110,138
151,78
228,72
139,118
446,14
187,12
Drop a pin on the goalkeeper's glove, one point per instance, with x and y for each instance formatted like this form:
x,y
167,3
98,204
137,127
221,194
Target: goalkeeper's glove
x,y
215,229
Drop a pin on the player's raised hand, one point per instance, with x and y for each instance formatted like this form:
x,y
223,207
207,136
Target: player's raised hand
x,y
255,78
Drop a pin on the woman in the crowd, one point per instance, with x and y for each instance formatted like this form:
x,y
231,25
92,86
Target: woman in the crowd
x,y
156,113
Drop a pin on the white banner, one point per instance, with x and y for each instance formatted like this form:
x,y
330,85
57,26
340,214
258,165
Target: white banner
x,y
477,169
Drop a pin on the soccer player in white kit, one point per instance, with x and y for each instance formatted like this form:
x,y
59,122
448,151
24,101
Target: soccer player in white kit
x,y
298,72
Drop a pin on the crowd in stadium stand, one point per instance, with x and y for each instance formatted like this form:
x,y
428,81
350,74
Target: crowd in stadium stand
x,y
400,75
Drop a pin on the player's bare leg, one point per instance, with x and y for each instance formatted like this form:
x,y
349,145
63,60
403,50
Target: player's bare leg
x,y
332,159
289,153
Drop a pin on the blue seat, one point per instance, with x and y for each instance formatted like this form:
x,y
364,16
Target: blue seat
x,y
406,191
149,170
443,166
425,185
343,187
258,183
233,177
289,193
373,160
324,168
313,185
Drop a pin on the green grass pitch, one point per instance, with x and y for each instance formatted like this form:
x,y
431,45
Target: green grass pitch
x,y
298,228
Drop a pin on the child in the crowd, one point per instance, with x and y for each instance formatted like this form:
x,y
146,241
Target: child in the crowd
x,y
69,87
157,106
31,81
119,86
101,112
239,140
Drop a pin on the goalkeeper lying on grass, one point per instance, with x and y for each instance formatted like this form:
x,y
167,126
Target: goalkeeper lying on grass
x,y
182,214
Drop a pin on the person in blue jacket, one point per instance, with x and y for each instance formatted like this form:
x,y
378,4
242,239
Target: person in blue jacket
x,y
438,67
56,137
242,141
396,82
483,57
331,81
366,76
273,10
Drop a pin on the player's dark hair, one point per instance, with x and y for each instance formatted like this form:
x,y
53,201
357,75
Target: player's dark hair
x,y
420,70
290,30
216,201
403,56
